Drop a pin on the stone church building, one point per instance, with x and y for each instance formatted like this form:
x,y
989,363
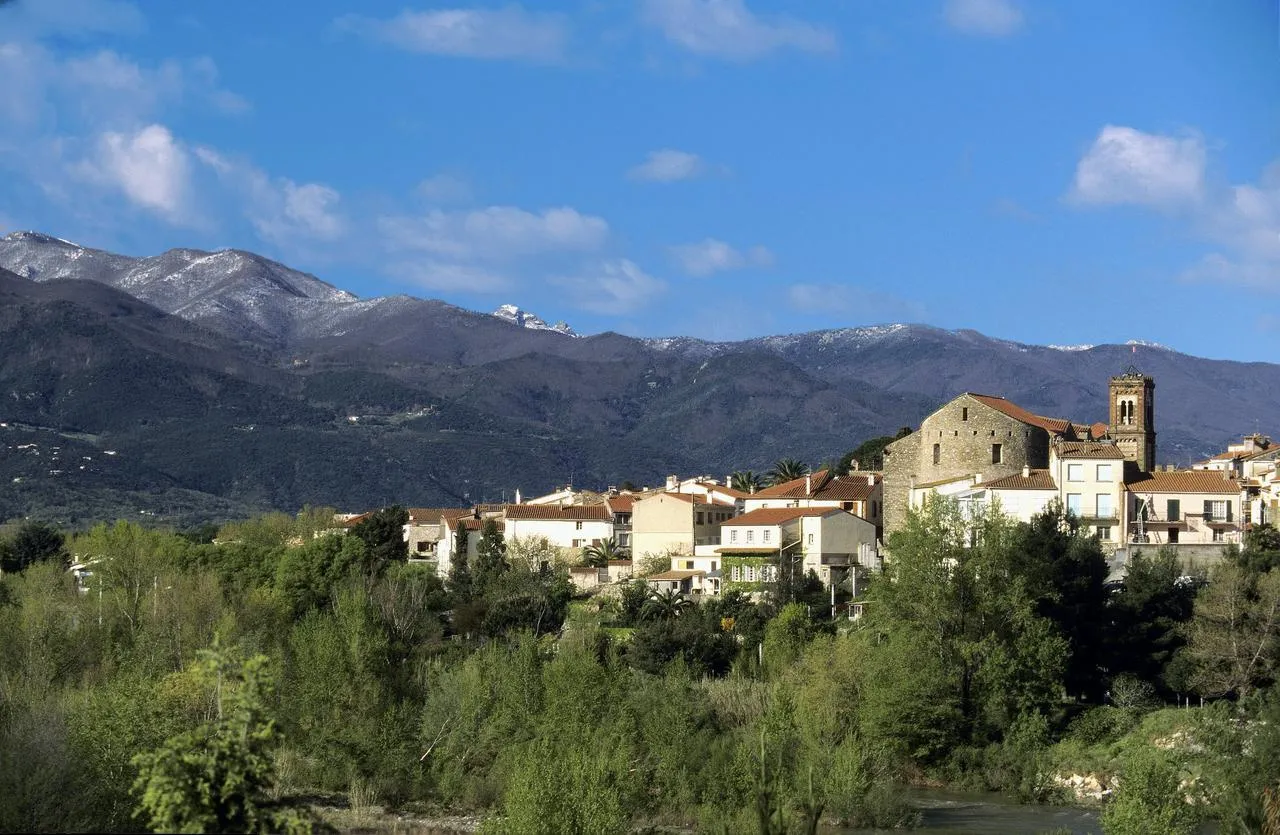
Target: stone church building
x,y
985,438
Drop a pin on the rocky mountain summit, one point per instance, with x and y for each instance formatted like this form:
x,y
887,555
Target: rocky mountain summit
x,y
525,319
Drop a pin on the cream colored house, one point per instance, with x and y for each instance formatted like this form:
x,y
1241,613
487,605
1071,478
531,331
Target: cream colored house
x,y
1020,496
860,492
1184,508
675,523
458,529
425,529
568,527
1090,477
829,541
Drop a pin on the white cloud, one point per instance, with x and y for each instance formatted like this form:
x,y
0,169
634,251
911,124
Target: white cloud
x,y
1011,208
989,18
283,212
611,288
444,188
445,277
509,32
847,299
40,18
496,233
1127,166
667,166
728,29
710,256
150,167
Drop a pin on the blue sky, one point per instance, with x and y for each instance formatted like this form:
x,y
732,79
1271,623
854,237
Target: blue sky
x,y
1053,173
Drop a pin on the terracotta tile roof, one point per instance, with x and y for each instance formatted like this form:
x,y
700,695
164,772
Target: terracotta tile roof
x,y
847,488
793,489
355,520
473,524
952,480
675,575
620,562
1035,480
1052,425
557,513
1088,449
1099,430
452,514
584,569
777,515
694,499
620,504
1183,481
429,515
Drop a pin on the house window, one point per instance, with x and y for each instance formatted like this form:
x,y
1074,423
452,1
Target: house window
x,y
577,543
810,539
699,520
1104,506
733,535
937,453
577,526
766,536
688,564
964,412
422,547
1219,535
735,574
713,565
1104,472
1217,511
1075,472
749,573
1173,510
1173,536
997,453
1074,503
750,535
1104,533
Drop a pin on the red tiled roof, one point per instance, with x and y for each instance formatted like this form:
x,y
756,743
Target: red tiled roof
x,y
621,504
793,489
1053,425
473,524
1099,430
556,513
694,499
429,515
620,562
847,488
1088,449
355,520
675,575
777,515
1183,481
1035,480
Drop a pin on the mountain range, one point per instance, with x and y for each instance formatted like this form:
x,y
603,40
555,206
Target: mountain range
x,y
194,385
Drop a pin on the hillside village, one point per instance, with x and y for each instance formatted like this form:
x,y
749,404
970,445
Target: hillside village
x,y
703,536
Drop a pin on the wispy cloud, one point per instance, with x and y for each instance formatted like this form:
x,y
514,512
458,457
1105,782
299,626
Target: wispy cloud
x,y
710,256
1125,166
668,166
496,233
443,189
852,300
987,18
292,216
727,29
506,33
611,288
69,18
1008,207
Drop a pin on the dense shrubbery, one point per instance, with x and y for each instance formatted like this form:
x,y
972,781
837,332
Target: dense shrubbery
x,y
341,669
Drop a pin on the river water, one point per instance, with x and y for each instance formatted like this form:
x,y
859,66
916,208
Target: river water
x,y
990,814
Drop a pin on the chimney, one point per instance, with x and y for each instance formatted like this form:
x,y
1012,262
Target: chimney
x,y
518,496
673,482
871,480
808,484
1026,471
977,478
728,480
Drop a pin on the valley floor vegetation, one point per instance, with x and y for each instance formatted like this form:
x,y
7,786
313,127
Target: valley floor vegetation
x,y
232,680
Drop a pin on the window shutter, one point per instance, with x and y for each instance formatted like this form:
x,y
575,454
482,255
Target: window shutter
x,y
1208,509
1229,503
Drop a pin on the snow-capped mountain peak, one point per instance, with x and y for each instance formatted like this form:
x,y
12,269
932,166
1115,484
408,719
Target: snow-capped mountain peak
x,y
525,319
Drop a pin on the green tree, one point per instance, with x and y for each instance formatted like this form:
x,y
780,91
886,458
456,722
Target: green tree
x,y
1150,799
787,469
1233,637
870,453
1261,551
668,604
746,481
216,778
461,582
600,555
308,575
383,533
491,556
1147,617
34,542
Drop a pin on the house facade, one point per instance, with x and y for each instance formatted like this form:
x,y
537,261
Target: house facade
x,y
676,523
1195,511
829,541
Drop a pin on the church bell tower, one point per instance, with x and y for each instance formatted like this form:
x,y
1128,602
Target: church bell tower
x,y
1133,425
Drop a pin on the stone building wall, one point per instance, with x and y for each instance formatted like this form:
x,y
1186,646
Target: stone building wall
x,y
964,431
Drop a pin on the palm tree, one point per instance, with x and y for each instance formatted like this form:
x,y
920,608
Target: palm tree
x,y
665,605
600,554
746,481
787,469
